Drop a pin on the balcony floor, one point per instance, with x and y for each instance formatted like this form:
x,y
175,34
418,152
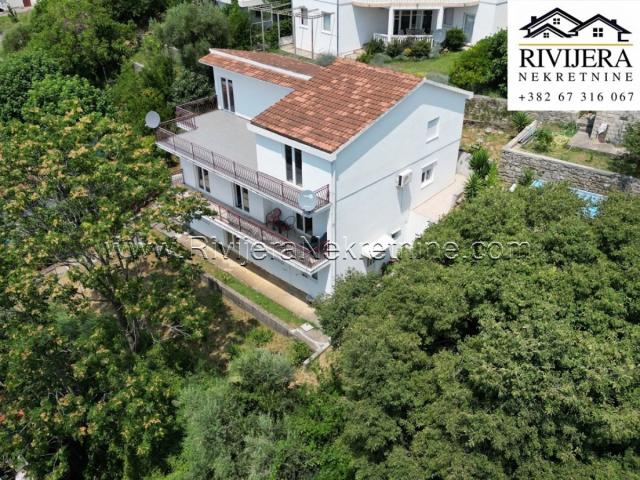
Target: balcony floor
x,y
226,134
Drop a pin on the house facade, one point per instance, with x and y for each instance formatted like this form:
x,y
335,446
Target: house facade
x,y
343,27
314,171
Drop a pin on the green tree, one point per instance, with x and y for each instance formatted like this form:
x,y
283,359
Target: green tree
x,y
239,26
88,41
516,365
17,74
193,29
631,142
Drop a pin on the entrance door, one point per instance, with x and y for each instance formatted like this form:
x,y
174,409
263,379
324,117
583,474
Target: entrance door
x,y
26,3
469,21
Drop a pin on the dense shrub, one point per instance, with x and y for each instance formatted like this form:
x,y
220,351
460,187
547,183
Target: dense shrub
x,y
325,60
421,49
542,140
454,40
483,68
190,85
16,38
375,46
631,142
380,59
397,47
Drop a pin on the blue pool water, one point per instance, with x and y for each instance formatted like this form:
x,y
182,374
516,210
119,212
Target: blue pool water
x,y
592,199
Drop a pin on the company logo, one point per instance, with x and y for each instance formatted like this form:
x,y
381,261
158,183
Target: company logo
x,y
576,56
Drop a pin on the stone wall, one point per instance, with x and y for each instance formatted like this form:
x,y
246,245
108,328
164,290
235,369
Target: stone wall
x,y
514,162
493,112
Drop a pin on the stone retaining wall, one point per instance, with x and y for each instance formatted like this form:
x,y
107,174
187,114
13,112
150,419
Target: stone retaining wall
x,y
493,112
514,162
617,123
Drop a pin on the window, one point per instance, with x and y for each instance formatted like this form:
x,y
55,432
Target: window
x,y
326,22
447,18
598,32
427,175
545,34
228,102
433,128
556,21
242,198
293,161
203,179
304,16
304,224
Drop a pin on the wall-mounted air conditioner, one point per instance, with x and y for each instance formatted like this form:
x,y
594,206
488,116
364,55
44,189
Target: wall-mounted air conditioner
x,y
404,178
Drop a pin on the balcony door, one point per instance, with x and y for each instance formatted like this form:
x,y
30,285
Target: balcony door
x,y
228,100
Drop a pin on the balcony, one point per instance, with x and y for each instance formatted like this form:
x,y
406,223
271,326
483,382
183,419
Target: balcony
x,y
200,124
390,38
415,4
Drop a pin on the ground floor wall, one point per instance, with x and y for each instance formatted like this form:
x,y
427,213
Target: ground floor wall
x,y
490,17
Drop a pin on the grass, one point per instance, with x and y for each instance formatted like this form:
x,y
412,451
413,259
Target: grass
x,y
441,65
561,150
490,138
256,297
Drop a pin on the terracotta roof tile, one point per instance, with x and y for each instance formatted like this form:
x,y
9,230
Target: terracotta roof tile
x,y
336,104
242,67
274,60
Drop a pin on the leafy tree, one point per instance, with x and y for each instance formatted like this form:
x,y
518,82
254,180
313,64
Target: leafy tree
x,y
483,68
515,363
17,74
59,95
192,29
631,142
190,85
88,41
239,25
139,12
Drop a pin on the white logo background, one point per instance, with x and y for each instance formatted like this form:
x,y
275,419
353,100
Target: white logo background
x,y
573,26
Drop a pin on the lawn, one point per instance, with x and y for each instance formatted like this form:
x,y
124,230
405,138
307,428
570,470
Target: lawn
x,y
441,65
561,150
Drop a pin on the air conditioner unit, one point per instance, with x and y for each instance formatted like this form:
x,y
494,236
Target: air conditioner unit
x,y
404,178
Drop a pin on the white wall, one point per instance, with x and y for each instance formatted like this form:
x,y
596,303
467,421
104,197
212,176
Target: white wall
x,y
252,96
357,26
368,203
316,172
490,18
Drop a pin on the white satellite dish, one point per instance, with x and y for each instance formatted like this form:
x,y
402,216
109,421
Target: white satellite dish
x,y
307,201
152,119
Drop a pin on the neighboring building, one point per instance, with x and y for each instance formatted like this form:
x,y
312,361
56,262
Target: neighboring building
x,y
345,26
5,4
375,150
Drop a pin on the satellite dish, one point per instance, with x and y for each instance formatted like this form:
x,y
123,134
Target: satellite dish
x,y
152,119
439,36
307,201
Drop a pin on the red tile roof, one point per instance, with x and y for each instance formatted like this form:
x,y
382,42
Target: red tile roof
x,y
336,104
247,63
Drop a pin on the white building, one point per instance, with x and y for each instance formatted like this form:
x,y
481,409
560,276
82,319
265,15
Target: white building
x,y
375,150
344,26
5,4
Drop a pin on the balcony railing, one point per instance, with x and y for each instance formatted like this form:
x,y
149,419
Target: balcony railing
x,y
389,38
168,136
289,249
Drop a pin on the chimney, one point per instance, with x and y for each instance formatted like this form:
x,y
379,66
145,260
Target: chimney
x,y
533,19
614,21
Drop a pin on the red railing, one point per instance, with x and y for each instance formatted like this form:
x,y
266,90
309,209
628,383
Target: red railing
x,y
289,249
167,136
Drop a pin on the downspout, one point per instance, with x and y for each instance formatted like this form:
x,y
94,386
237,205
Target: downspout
x,y
337,28
334,207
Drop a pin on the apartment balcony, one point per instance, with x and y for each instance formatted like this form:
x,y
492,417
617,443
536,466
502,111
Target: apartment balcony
x,y
415,4
386,38
220,141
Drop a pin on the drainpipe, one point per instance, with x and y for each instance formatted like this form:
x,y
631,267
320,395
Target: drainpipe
x,y
337,28
334,207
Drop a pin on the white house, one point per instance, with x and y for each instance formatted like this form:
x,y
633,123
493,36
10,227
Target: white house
x,y
372,152
5,4
344,26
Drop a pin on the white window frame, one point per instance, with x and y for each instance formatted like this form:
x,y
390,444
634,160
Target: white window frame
x,y
204,175
427,168
324,16
241,197
435,130
295,154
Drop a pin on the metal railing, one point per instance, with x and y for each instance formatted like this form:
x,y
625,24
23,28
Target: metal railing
x,y
289,249
167,135
386,38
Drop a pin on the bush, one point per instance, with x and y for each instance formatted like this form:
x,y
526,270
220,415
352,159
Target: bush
x,y
483,68
455,40
527,177
421,49
380,59
542,140
520,120
480,162
260,336
375,46
326,60
397,47
485,173
16,38
298,352
631,142
364,58
569,129
188,86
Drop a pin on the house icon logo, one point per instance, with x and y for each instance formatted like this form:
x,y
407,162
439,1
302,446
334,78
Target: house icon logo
x,y
558,25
